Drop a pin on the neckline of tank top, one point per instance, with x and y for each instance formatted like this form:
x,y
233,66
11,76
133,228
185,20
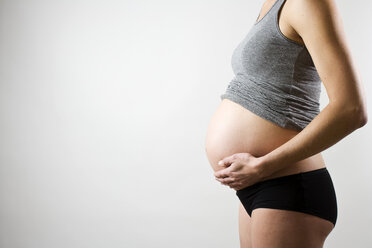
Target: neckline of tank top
x,y
277,26
272,6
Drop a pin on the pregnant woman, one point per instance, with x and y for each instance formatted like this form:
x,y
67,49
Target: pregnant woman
x,y
266,136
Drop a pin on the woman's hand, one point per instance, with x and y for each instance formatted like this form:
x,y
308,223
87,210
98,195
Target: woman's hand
x,y
239,170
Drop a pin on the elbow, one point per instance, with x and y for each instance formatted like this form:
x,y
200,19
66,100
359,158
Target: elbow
x,y
354,112
363,119
360,115
356,115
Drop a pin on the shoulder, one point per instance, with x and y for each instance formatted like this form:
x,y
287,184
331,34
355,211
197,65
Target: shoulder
x,y
312,15
318,7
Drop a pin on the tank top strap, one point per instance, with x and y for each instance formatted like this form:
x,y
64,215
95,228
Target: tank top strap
x,y
277,5
272,13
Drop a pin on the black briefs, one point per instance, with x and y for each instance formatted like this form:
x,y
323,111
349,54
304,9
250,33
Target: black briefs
x,y
310,192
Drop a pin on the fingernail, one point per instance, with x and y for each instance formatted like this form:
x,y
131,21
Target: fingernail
x,y
220,162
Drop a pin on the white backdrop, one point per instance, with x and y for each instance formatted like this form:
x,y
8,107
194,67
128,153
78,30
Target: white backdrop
x,y
104,107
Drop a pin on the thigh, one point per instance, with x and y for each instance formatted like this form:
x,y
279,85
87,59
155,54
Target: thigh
x,y
244,228
279,228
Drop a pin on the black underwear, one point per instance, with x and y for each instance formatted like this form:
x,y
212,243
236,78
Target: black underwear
x,y
310,192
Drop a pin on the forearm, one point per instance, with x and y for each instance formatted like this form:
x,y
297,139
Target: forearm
x,y
331,125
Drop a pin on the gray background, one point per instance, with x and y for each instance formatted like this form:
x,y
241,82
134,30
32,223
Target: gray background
x,y
104,107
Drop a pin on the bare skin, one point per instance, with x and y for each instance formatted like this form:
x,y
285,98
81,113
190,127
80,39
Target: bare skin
x,y
267,151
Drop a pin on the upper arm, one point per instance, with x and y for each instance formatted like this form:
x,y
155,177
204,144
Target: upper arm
x,y
319,24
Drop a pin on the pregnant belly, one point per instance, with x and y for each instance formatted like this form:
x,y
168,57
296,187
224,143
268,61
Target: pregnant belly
x,y
234,129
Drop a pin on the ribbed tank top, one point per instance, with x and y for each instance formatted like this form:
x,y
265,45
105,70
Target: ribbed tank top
x,y
275,77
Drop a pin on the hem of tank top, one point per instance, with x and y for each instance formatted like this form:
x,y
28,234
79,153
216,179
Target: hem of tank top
x,y
287,124
293,125
280,32
272,6
253,107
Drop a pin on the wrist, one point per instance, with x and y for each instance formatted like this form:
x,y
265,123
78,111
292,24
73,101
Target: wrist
x,y
264,167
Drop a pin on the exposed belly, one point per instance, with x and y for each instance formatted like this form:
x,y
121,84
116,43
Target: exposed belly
x,y
234,129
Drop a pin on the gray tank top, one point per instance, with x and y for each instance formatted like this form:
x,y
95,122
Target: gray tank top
x,y
275,77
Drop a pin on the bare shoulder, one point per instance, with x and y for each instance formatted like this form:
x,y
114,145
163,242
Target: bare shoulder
x,y
320,26
321,14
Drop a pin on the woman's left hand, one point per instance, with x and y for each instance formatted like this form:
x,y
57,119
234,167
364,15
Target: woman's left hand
x,y
240,170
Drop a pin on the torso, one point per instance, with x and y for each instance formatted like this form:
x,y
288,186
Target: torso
x,y
234,129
